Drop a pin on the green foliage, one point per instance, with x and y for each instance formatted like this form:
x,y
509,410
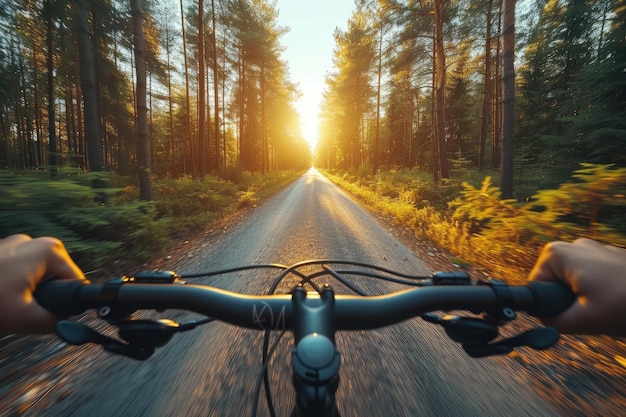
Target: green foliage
x,y
502,235
232,173
247,199
591,205
414,187
483,209
597,113
406,195
208,194
264,186
63,208
571,95
100,224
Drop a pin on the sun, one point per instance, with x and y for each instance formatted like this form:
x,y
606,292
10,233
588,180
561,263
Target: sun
x,y
308,109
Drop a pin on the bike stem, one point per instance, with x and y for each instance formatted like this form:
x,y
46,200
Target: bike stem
x,y
315,358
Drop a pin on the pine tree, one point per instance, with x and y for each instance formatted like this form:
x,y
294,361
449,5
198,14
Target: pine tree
x,y
561,47
351,86
598,106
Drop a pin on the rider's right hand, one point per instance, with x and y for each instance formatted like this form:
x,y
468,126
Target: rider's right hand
x,y
596,273
24,263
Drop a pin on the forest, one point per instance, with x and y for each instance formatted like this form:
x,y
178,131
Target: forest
x,y
488,127
425,84
125,125
216,93
107,100
529,88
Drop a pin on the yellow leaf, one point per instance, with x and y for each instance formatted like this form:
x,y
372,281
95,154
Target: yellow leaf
x,y
621,360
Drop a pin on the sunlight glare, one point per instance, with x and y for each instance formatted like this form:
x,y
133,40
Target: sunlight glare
x,y
308,108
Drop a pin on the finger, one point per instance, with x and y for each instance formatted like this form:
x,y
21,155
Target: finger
x,y
616,250
14,240
590,244
580,319
11,243
549,265
58,263
586,242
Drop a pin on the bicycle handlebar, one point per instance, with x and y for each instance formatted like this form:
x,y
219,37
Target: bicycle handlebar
x,y
267,312
313,317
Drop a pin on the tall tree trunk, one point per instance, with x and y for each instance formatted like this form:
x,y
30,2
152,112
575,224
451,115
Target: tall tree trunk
x,y
172,147
70,119
37,110
143,142
484,125
433,125
242,157
223,108
377,137
496,122
508,99
80,121
418,143
264,147
20,162
70,125
93,135
440,86
52,137
202,152
410,150
605,17
188,142
4,141
216,116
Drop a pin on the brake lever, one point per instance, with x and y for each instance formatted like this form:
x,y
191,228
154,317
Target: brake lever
x,y
142,336
474,335
539,338
79,334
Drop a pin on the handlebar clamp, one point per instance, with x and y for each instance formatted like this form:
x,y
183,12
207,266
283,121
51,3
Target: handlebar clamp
x,y
506,301
503,292
109,292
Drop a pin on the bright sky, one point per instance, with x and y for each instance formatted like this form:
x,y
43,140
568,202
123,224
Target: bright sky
x,y
309,52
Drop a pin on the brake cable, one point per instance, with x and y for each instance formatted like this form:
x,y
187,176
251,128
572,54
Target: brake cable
x,y
141,337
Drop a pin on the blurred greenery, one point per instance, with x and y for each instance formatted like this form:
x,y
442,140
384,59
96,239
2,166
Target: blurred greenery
x,y
471,220
100,218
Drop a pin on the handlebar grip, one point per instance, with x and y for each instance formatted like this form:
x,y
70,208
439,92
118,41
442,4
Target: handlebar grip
x,y
59,296
551,298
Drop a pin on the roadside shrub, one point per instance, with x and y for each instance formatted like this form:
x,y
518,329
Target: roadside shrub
x,y
590,205
247,199
386,189
60,207
233,174
186,197
113,232
504,236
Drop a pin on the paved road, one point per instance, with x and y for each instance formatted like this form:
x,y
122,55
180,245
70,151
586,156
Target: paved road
x,y
411,369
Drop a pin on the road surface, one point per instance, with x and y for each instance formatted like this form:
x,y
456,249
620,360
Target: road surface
x,y
411,369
